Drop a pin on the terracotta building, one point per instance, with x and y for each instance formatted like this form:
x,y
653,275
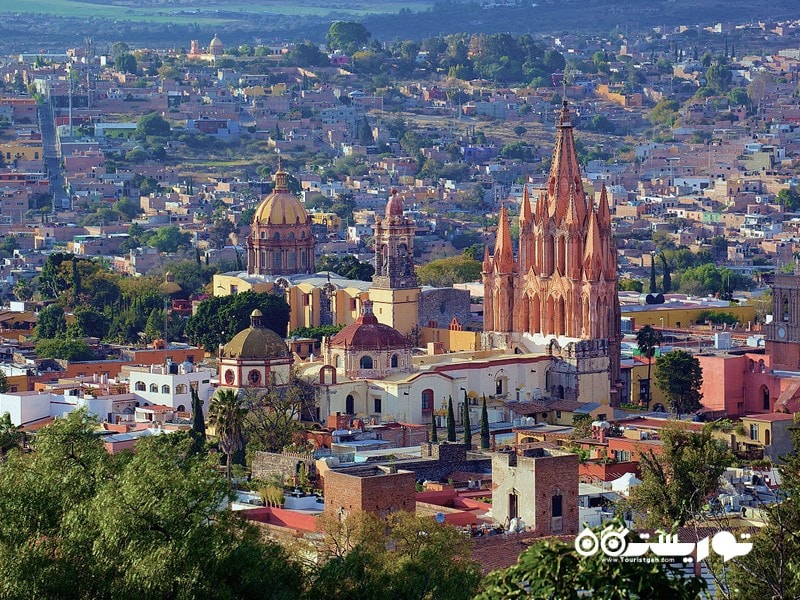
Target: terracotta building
x,y
783,334
560,292
281,242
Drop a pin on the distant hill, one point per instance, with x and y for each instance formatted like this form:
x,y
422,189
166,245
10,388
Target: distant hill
x,y
36,25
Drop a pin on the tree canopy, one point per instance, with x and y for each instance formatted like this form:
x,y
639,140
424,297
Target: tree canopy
x,y
679,376
551,568
81,523
219,318
347,36
444,272
676,482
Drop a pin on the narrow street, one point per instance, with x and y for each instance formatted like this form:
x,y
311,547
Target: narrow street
x,y
52,158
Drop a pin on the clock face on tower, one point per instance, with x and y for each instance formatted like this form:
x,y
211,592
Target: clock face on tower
x,y
781,332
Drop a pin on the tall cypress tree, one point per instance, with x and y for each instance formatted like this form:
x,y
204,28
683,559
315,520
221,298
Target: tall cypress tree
x,y
666,282
653,289
198,421
451,421
467,424
484,426
434,434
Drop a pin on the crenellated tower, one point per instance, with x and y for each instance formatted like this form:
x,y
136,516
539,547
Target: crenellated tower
x,y
563,283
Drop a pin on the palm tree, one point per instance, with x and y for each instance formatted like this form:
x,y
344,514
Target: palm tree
x,y
226,414
648,338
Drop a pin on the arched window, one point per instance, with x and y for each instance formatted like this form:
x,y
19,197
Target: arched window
x,y
302,235
154,387
302,258
277,236
366,362
336,361
181,408
276,260
785,310
140,386
291,236
762,368
263,235
394,361
292,259
765,397
349,405
181,388
165,389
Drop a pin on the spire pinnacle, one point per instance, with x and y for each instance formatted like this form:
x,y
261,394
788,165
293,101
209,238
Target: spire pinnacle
x,y
503,252
525,212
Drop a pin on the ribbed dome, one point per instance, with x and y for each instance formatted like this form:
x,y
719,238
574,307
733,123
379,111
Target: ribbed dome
x,y
256,342
281,207
394,208
215,42
367,334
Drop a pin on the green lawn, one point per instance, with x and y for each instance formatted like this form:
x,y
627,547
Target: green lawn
x,y
208,12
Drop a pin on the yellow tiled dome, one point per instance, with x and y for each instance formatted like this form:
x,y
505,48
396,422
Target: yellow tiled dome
x,y
281,207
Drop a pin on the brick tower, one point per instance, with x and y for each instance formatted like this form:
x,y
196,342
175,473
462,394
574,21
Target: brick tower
x,y
563,283
395,292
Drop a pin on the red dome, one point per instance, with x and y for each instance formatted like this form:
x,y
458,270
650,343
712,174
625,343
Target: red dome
x,y
367,334
394,208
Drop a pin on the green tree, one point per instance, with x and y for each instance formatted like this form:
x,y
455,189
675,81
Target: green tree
x,y
152,124
317,332
451,421
347,36
789,198
665,112
273,414
666,279
198,421
65,349
718,78
90,322
467,424
485,434
676,481
630,285
79,523
434,437
10,434
406,556
653,284
226,414
126,63
306,54
219,318
550,568
679,376
444,272
3,382
51,322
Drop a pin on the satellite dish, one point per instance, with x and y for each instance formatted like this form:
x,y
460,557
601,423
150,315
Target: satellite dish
x,y
439,518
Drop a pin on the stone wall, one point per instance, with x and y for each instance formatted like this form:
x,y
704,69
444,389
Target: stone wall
x,y
267,464
441,306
